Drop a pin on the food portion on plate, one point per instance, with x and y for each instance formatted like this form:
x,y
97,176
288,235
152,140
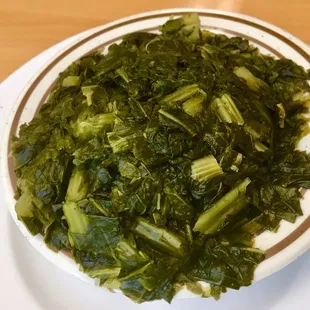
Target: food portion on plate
x,y
156,165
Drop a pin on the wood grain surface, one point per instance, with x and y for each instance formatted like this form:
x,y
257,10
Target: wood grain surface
x,y
29,27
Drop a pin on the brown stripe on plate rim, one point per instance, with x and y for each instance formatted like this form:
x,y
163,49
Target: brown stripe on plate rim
x,y
292,237
274,249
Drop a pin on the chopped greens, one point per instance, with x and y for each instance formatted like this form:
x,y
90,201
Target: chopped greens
x,y
156,165
213,218
205,168
253,82
226,110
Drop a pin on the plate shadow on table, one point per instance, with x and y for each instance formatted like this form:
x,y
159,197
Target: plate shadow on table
x,y
54,289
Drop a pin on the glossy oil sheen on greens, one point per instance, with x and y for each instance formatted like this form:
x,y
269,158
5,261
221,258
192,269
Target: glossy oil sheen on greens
x,y
156,165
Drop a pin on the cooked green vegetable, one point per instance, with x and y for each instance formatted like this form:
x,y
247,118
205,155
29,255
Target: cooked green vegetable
x,y
71,81
226,110
194,106
253,82
181,95
157,164
77,221
161,238
205,168
78,185
213,218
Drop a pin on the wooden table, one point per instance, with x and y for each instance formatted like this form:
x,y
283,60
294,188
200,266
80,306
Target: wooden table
x,y
29,27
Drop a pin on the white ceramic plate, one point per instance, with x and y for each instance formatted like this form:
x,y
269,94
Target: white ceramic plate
x,y
30,280
283,247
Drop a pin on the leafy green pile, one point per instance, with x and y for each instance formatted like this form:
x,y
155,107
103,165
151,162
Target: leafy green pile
x,y
157,164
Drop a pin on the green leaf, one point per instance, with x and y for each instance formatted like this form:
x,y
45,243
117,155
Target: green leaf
x,y
123,140
78,185
225,265
181,208
128,170
88,125
205,168
181,95
253,82
77,221
186,27
71,81
56,238
193,106
226,110
212,219
284,202
161,238
100,235
178,121
88,93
